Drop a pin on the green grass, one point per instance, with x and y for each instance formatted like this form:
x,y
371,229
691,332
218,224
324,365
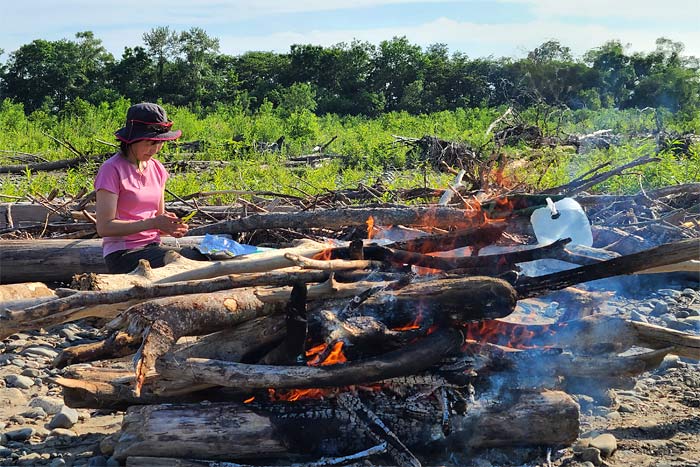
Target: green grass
x,y
230,134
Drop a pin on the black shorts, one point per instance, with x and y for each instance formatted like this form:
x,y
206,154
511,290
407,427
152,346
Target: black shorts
x,y
124,261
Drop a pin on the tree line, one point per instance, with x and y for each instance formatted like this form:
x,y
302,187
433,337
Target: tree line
x,y
186,68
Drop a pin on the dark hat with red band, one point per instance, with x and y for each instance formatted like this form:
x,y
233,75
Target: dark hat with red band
x,y
146,121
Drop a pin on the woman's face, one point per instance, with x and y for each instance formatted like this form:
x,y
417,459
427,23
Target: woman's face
x,y
143,150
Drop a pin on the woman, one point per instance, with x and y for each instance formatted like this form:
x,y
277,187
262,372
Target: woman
x,y
130,190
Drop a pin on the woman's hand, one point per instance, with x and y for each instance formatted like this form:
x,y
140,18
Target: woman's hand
x,y
169,224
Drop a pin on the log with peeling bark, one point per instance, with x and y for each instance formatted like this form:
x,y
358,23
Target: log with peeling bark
x,y
51,260
411,359
433,216
230,431
178,268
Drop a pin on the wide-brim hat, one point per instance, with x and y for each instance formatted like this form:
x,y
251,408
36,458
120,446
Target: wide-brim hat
x,y
147,121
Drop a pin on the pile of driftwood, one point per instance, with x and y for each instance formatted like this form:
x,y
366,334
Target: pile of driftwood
x,y
338,346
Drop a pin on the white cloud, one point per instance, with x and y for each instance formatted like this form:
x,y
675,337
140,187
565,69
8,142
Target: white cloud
x,y
474,39
668,10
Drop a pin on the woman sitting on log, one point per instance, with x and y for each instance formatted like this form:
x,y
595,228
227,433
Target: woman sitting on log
x,y
130,187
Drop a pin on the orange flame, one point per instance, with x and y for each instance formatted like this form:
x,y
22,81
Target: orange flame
x,y
249,400
335,356
505,334
296,394
370,227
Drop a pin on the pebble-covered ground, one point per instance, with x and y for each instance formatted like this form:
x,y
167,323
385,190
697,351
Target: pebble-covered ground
x,y
655,423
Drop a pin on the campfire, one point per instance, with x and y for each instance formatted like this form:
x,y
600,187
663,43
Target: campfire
x,y
398,348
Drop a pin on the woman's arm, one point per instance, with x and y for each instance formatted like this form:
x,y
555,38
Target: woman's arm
x,y
109,226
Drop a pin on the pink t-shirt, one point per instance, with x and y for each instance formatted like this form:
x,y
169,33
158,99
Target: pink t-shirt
x,y
139,195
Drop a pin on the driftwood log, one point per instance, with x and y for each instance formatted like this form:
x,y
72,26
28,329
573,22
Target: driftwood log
x,y
435,216
230,431
178,268
48,260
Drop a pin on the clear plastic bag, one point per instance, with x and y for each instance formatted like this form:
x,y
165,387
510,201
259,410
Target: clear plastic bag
x,y
216,245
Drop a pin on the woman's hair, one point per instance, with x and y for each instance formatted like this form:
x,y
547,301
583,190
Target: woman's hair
x,y
124,148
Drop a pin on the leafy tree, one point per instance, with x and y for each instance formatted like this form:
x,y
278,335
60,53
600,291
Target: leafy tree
x,y
161,44
616,73
295,98
59,71
396,65
134,76
262,73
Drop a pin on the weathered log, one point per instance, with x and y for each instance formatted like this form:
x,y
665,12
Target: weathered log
x,y
231,431
57,260
178,268
53,165
669,253
408,360
436,216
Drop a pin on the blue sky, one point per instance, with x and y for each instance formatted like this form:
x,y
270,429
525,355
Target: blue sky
x,y
478,28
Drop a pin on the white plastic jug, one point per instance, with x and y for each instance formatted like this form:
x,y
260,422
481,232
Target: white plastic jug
x,y
562,219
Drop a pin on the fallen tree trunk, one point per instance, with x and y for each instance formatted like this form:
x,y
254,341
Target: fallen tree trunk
x,y
178,268
406,361
230,431
57,260
339,218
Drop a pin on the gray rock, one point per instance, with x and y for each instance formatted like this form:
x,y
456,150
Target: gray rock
x,y
34,413
51,405
32,373
5,452
606,443
66,418
33,458
591,455
62,433
112,462
625,408
68,334
637,316
57,462
19,381
12,397
40,352
22,434
97,461
669,361
670,293
660,308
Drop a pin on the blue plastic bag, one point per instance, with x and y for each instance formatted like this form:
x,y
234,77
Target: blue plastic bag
x,y
217,245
